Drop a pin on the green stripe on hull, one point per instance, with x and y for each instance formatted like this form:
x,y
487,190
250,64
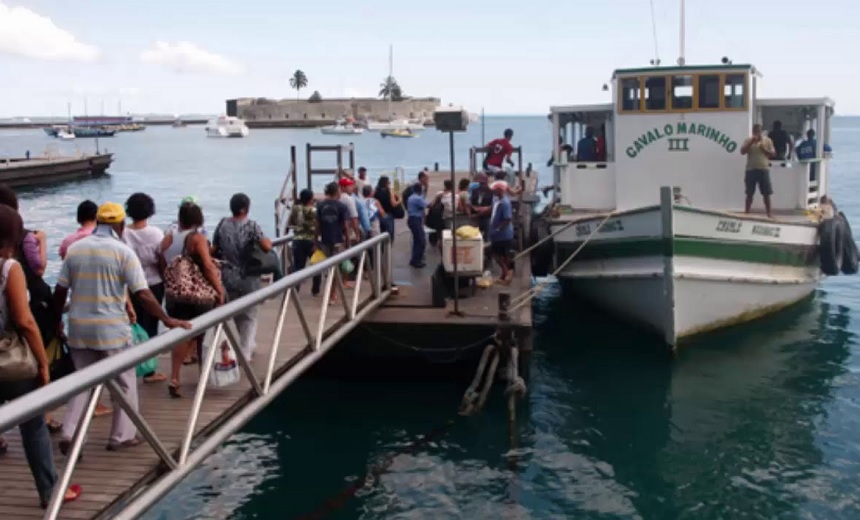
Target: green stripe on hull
x,y
774,254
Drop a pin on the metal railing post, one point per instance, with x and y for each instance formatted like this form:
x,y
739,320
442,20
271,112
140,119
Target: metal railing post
x,y
141,424
74,454
276,341
202,382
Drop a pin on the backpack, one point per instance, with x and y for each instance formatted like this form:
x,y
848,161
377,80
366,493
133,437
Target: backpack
x,y
41,300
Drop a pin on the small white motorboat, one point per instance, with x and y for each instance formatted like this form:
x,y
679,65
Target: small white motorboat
x,y
341,128
65,134
227,126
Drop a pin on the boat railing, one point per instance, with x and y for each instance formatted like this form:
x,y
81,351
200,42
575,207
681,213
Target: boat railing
x,y
266,383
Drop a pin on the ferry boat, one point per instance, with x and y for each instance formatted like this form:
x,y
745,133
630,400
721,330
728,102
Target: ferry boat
x,y
227,126
657,219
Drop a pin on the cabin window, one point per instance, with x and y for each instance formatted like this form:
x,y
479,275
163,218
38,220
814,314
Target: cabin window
x,y
630,95
682,92
709,91
655,93
733,91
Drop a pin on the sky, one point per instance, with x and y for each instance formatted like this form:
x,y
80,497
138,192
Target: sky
x,y
507,57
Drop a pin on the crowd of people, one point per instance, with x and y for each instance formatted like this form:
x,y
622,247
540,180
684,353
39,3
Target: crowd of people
x,y
115,265
112,276
353,210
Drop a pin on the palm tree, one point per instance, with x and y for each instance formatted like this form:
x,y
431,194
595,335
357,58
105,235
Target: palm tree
x,y
298,81
389,88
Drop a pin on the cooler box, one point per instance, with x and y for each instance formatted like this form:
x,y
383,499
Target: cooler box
x,y
470,254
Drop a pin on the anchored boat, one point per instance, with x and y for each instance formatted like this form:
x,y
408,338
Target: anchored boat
x,y
227,126
400,132
649,217
20,171
342,127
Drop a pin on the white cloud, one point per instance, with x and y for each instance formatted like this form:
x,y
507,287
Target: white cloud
x,y
26,33
187,57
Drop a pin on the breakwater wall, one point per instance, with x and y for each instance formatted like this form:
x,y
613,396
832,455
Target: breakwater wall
x,y
264,112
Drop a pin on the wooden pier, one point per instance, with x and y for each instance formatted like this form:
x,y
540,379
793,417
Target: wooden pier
x,y
109,478
408,325
383,323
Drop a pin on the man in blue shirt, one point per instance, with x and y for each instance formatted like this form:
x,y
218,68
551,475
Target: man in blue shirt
x,y
807,149
501,232
415,209
586,148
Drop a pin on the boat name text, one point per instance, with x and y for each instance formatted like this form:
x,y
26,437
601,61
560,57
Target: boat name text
x,y
766,231
677,137
729,226
611,226
734,226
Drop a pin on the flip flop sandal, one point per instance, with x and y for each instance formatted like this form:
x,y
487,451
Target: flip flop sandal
x,y
76,494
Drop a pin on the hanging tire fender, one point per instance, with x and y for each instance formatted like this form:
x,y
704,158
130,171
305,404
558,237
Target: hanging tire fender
x,y
850,255
831,245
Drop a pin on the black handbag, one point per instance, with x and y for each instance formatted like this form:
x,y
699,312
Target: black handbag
x,y
257,262
59,360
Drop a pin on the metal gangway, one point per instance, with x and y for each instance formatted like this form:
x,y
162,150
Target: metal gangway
x,y
295,331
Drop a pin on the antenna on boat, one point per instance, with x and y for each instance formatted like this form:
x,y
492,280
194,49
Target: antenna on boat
x,y
681,59
656,60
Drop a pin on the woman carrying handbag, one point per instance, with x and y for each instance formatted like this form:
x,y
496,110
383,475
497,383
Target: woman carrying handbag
x,y
192,282
23,362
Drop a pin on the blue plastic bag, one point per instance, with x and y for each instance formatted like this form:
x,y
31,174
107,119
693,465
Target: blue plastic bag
x,y
138,336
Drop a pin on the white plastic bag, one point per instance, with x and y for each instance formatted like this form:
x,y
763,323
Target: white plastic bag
x,y
226,370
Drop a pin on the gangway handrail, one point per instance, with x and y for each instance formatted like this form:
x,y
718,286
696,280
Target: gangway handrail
x,y
95,377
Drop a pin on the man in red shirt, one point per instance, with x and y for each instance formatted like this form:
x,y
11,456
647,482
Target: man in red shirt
x,y
497,151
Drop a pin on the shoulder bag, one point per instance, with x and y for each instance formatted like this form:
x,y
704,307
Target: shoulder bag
x,y
184,281
17,362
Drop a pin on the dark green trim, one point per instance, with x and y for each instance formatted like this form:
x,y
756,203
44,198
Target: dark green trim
x,y
692,69
775,254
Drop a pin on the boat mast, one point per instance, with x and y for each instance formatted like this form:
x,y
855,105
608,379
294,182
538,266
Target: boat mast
x,y
681,59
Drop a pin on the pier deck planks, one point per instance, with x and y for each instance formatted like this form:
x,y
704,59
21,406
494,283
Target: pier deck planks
x,y
105,476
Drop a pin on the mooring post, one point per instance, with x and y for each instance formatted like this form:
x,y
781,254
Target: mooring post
x,y
436,167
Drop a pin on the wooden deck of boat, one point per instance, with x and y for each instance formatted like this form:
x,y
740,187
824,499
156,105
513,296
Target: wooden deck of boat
x,y
108,477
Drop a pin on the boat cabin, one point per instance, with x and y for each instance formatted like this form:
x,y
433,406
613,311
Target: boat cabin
x,y
684,127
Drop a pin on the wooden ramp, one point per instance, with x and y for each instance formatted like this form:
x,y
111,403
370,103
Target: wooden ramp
x,y
109,477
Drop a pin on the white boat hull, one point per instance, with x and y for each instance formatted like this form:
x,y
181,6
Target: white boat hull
x,y
375,126
227,126
710,270
341,131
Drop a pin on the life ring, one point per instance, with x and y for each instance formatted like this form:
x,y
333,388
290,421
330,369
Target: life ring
x,y
831,246
850,255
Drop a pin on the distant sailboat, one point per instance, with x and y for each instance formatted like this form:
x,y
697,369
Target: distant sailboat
x,y
393,124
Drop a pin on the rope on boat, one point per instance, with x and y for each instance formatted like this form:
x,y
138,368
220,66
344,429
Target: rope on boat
x,y
519,301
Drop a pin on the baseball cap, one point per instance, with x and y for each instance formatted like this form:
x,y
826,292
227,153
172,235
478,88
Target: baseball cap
x,y
499,185
345,181
110,213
